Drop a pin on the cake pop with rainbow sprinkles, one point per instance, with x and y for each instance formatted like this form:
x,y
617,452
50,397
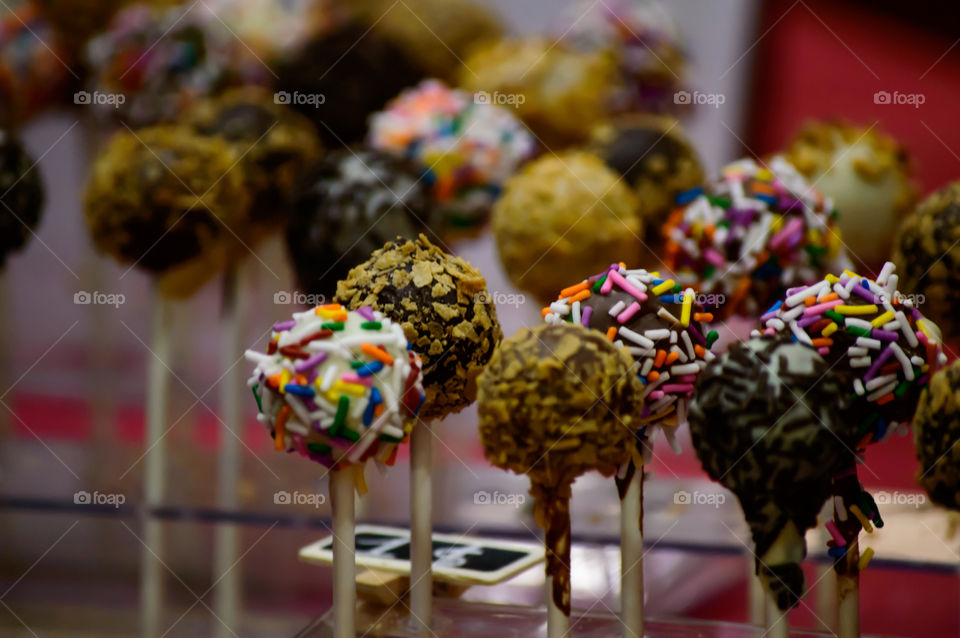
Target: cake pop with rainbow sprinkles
x,y
756,231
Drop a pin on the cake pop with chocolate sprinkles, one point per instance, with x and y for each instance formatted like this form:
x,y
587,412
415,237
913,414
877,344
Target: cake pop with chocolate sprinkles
x,y
655,158
757,230
443,305
339,388
348,205
276,145
557,401
867,175
767,421
561,217
469,147
936,427
928,254
171,202
21,195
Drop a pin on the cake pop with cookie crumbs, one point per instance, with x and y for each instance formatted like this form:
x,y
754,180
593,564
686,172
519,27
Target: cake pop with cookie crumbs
x,y
936,427
21,195
442,303
557,401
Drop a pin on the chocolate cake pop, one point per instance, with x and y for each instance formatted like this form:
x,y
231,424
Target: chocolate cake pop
x,y
929,260
563,216
873,336
442,303
469,148
937,436
767,422
276,145
170,202
559,92
867,175
556,401
654,157
759,229
348,205
21,195
338,387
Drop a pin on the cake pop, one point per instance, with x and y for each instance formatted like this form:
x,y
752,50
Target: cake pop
x,y
643,39
276,145
656,159
559,92
937,436
926,251
348,205
469,147
21,195
169,201
76,21
562,216
748,236
867,175
442,303
767,422
338,387
556,401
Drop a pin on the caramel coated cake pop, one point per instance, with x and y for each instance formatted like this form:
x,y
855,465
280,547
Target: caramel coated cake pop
x,y
867,175
558,91
936,428
563,216
751,234
929,258
659,323
170,202
873,336
21,195
442,303
469,147
557,401
276,144
767,421
655,158
348,205
338,387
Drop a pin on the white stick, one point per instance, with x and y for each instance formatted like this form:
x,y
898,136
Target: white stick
x,y
421,527
757,595
777,625
848,595
155,469
558,623
226,572
631,557
344,544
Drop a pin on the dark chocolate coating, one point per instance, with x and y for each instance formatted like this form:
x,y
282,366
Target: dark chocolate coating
x,y
937,437
767,422
357,71
347,206
21,195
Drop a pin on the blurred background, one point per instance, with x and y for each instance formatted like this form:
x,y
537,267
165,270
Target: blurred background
x,y
73,372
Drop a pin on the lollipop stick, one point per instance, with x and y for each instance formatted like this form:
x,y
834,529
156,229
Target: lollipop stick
x,y
558,568
344,569
226,573
848,593
154,479
756,593
421,528
777,625
631,555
